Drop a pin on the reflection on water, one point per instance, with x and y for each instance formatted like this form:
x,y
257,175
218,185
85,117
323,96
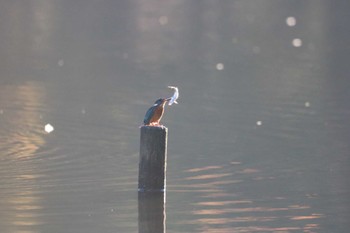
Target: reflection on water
x,y
21,139
258,143
25,132
43,182
216,209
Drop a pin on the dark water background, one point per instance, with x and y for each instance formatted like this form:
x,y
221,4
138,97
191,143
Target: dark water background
x,y
259,141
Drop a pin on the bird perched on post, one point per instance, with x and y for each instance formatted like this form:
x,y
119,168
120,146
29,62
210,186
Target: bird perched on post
x,y
155,113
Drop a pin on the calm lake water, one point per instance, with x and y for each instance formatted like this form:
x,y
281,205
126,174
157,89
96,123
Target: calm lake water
x,y
259,141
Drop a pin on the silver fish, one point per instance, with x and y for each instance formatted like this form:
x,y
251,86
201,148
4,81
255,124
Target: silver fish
x,y
174,97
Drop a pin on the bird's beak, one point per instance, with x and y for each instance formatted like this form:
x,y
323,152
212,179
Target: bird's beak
x,y
167,99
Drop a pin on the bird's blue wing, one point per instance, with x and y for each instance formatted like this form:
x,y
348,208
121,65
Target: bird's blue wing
x,y
149,115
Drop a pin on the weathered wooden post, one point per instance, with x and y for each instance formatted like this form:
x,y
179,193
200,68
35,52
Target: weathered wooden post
x,y
152,212
153,156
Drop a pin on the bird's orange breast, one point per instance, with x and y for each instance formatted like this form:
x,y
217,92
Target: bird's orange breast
x,y
157,114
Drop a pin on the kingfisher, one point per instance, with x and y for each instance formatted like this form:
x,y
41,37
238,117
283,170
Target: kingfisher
x,y
155,113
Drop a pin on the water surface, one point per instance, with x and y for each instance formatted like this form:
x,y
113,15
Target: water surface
x,y
259,141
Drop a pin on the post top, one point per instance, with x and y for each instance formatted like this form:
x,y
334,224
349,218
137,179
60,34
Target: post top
x,y
151,127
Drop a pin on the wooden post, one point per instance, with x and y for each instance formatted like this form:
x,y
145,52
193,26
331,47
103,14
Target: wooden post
x,y
152,212
153,154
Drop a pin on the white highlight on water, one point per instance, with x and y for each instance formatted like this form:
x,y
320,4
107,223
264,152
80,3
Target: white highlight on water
x,y
291,21
163,20
49,128
60,62
219,66
297,42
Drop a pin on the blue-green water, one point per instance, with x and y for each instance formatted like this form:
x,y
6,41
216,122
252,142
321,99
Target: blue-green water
x,y
259,141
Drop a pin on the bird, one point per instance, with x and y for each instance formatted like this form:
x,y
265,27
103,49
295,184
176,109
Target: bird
x,y
155,113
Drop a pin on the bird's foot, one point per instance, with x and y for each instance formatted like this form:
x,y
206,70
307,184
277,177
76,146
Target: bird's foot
x,y
154,124
159,125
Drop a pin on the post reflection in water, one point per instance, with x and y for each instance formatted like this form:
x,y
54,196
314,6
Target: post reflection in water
x,y
152,214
